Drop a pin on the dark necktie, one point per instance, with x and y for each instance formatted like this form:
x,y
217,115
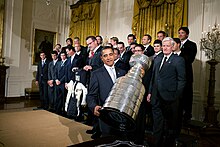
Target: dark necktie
x,y
161,66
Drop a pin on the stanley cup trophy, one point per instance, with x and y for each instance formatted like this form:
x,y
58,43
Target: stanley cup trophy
x,y
121,107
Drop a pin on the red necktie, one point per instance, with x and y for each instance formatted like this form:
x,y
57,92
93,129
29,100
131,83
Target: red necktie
x,y
92,54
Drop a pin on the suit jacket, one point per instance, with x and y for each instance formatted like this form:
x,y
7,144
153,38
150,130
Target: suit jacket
x,y
122,65
42,72
100,86
125,57
149,51
169,82
52,71
77,62
61,71
148,74
188,52
95,61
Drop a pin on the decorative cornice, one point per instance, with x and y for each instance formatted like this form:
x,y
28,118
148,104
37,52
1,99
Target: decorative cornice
x,y
81,2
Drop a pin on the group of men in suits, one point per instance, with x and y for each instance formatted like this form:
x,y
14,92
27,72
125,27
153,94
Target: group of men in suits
x,y
168,82
170,90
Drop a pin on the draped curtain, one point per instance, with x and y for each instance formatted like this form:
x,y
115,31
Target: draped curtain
x,y
151,16
85,19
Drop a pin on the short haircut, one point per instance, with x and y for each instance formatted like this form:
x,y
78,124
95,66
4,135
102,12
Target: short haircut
x,y
58,45
149,36
116,49
133,43
162,32
177,40
131,35
106,47
42,52
70,47
157,41
141,46
121,43
54,52
185,29
63,52
99,37
70,39
115,39
91,37
168,39
76,38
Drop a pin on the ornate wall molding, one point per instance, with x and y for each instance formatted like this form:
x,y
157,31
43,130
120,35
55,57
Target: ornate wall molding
x,y
84,9
146,3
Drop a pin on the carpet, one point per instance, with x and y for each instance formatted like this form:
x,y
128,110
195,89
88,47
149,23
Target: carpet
x,y
40,128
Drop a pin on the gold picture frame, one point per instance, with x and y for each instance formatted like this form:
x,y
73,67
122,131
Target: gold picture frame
x,y
43,41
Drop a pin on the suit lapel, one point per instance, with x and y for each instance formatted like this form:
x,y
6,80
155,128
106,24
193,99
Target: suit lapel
x,y
118,73
167,64
184,45
157,62
106,75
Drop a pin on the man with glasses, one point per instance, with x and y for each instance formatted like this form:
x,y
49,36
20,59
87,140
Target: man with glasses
x,y
93,61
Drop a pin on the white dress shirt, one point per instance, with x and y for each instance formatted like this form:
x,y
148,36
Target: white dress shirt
x,y
111,71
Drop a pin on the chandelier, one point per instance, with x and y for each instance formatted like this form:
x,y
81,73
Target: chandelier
x,y
210,42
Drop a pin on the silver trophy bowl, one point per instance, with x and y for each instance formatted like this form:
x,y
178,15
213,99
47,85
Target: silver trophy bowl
x,y
121,106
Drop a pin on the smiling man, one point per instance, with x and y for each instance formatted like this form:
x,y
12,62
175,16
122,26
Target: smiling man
x,y
165,92
100,85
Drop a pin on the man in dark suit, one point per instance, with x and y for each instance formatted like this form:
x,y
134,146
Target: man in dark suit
x,y
176,48
118,63
74,63
165,90
93,61
41,80
83,49
142,112
51,80
188,52
149,50
58,49
130,38
100,85
69,41
124,56
60,76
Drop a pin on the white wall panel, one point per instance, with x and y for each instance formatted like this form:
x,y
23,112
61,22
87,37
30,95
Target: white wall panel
x,y
116,19
22,17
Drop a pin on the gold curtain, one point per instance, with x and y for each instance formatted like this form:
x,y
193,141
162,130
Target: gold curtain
x,y
151,16
85,19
